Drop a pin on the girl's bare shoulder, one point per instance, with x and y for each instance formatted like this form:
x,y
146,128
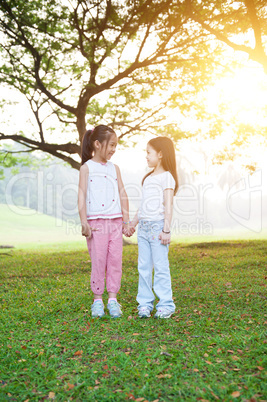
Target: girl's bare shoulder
x,y
117,168
84,169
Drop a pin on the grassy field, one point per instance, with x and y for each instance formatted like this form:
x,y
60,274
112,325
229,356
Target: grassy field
x,y
26,229
213,348
21,225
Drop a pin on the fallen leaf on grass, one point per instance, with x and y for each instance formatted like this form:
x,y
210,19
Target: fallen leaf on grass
x,y
236,394
208,362
62,376
195,370
235,358
136,333
164,376
139,399
260,368
70,386
166,354
51,395
215,396
78,353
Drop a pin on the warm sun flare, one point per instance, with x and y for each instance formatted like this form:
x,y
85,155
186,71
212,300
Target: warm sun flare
x,y
244,94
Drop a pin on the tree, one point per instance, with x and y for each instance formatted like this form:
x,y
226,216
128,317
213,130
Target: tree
x,y
228,21
9,159
83,62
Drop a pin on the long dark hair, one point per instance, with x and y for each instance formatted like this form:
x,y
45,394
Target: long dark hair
x,y
166,147
101,133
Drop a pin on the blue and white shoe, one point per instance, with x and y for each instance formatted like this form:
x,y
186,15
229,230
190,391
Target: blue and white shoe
x,y
98,309
144,312
163,313
114,309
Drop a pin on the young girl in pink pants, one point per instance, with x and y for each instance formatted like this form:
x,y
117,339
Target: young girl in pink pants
x,y
104,214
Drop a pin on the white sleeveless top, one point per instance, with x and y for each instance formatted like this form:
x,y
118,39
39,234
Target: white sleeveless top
x,y
102,200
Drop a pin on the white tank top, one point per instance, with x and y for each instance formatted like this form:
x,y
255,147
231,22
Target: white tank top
x,y
102,199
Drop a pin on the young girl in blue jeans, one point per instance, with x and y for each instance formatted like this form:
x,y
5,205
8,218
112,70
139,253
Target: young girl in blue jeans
x,y
104,213
154,235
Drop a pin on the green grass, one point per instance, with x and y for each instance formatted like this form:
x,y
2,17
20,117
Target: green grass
x,y
213,348
23,226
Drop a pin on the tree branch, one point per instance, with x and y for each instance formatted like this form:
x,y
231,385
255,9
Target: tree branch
x,y
68,147
257,54
22,39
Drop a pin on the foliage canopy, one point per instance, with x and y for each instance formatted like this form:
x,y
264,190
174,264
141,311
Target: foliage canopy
x,y
82,62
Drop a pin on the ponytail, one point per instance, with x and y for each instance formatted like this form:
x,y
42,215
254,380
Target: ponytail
x,y
87,146
100,133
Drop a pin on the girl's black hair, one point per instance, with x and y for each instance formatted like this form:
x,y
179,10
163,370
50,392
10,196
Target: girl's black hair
x,y
101,133
166,147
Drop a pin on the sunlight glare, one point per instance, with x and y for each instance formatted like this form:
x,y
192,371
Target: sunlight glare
x,y
244,94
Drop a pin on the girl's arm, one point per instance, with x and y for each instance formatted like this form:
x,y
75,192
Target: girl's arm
x,y
83,182
165,235
135,220
124,202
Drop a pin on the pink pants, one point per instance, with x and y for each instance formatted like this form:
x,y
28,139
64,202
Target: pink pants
x,y
105,249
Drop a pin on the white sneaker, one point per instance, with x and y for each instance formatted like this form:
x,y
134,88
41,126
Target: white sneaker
x,y
163,313
144,312
98,309
114,309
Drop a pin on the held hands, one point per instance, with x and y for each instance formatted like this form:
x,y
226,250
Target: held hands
x,y
128,229
165,238
87,230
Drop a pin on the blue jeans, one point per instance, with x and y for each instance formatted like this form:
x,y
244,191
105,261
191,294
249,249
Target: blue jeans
x,y
151,253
